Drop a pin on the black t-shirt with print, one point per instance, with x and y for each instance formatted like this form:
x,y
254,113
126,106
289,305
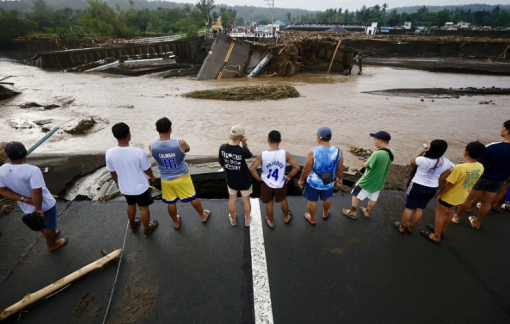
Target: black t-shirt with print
x,y
233,159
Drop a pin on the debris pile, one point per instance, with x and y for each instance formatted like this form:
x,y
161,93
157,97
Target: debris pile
x,y
273,92
6,206
7,93
83,126
359,151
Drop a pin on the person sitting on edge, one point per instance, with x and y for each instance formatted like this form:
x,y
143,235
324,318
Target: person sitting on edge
x,y
128,167
232,158
24,183
458,185
431,169
273,186
176,181
321,160
372,182
496,163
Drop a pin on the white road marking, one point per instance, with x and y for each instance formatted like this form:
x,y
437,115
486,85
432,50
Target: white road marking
x,y
261,291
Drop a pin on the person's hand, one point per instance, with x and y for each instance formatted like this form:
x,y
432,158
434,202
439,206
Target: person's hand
x,y
338,182
40,212
301,183
287,179
28,201
153,179
438,197
244,139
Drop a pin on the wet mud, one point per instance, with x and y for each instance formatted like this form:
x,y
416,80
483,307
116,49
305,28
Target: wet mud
x,y
441,93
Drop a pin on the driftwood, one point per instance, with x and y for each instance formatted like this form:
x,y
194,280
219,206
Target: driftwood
x,y
57,285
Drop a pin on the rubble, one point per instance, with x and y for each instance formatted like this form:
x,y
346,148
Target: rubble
x,y
83,126
361,152
246,93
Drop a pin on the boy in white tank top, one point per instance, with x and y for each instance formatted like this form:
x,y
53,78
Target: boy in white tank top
x,y
274,181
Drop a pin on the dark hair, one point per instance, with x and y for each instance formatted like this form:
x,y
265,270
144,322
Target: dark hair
x,y
384,141
120,131
437,149
475,149
163,125
507,125
274,136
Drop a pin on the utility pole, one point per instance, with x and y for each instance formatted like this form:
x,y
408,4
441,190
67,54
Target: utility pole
x,y
270,3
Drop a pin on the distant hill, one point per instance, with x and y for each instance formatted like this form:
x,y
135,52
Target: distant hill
x,y
473,7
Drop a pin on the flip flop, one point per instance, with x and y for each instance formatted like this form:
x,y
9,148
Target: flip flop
x,y
179,218
267,222
364,211
453,218
307,215
289,213
152,226
397,226
431,227
346,213
247,224
57,233
472,220
233,221
408,231
136,227
426,234
60,243
327,216
208,212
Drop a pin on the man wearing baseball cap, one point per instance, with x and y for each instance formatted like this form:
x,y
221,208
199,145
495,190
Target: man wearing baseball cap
x,y
372,181
25,183
321,160
232,158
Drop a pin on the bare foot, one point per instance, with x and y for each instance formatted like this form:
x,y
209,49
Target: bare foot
x,y
176,226
58,244
247,220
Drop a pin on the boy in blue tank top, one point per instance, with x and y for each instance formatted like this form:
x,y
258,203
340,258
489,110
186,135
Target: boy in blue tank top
x,y
274,181
176,181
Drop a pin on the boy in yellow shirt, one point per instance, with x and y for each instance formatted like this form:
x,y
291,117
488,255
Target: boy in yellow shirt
x,y
457,188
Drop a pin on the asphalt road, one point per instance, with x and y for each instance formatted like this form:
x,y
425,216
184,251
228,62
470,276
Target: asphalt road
x,y
340,270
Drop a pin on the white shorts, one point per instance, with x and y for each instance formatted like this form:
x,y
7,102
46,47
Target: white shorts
x,y
361,193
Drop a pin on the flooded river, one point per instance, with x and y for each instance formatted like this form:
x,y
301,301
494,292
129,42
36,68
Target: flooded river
x,y
326,100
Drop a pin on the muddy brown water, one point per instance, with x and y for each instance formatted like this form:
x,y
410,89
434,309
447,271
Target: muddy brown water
x,y
326,100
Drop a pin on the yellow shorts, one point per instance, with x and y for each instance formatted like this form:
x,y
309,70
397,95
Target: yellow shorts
x,y
178,189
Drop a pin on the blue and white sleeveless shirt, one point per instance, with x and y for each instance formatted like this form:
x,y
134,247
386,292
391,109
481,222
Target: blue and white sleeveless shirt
x,y
324,159
273,168
170,158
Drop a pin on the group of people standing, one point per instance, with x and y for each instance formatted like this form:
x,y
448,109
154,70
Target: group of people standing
x,y
484,178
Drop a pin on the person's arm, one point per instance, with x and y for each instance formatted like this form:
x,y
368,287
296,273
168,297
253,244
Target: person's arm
x,y
150,148
340,171
184,146
148,172
448,186
295,167
254,166
37,200
307,169
442,179
423,151
115,178
9,194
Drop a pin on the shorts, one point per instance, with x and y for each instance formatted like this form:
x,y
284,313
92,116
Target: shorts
x,y
418,196
313,194
181,188
267,193
361,193
244,193
144,199
444,203
50,218
487,185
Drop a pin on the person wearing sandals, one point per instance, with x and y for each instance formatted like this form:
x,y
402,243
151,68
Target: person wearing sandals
x,y
372,181
431,169
496,162
24,183
232,158
458,185
322,163
128,167
273,180
176,181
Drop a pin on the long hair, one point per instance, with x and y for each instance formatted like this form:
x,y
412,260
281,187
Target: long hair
x,y
436,151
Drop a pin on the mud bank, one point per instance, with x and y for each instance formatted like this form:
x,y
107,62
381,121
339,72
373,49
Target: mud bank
x,y
441,93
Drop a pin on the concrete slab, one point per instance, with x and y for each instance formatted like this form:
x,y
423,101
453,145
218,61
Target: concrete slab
x,y
356,271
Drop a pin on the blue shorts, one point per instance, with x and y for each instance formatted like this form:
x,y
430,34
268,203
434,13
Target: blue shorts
x,y
418,196
313,194
488,185
50,218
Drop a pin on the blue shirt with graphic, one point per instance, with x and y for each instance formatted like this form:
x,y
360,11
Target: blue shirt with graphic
x,y
324,159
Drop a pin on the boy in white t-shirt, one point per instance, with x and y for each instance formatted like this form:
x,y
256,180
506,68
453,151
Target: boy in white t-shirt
x,y
274,181
25,183
128,167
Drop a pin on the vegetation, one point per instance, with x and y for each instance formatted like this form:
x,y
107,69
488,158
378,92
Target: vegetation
x,y
246,93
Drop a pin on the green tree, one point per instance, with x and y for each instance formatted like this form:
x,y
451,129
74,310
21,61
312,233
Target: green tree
x,y
13,25
204,7
103,20
42,15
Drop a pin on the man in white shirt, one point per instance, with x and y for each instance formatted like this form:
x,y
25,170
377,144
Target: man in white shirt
x,y
25,183
128,167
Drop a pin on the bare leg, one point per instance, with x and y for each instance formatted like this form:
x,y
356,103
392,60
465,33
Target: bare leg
x,y
232,199
145,216
198,207
326,204
447,219
466,204
285,210
418,214
354,205
270,213
370,206
50,236
500,197
247,210
439,221
312,208
131,213
487,198
406,217
172,211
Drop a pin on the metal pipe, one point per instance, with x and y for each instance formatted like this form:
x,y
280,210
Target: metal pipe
x,y
36,145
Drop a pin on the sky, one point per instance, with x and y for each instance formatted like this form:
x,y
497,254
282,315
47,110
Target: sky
x,y
350,4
